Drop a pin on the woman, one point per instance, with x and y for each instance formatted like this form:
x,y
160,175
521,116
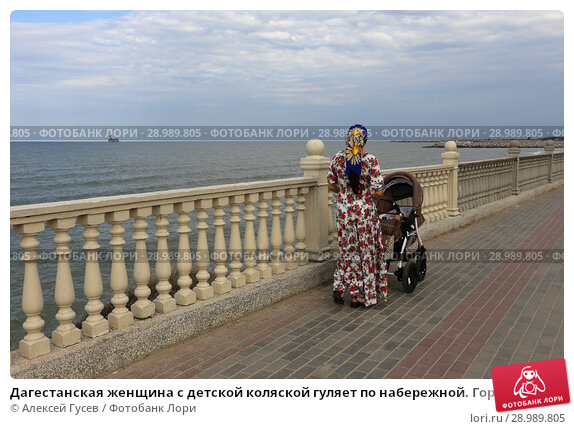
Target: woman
x,y
353,175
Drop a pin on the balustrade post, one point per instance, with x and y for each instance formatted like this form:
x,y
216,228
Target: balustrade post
x,y
450,158
35,343
289,234
236,277
277,266
250,247
120,317
549,149
514,153
221,284
263,237
164,303
301,231
330,240
143,307
95,324
185,295
315,165
66,334
203,290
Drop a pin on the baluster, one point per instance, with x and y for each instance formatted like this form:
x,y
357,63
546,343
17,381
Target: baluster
x,y
250,247
236,277
421,177
120,317
203,290
289,235
435,181
95,324
262,237
440,195
66,334
434,193
277,266
164,303
220,284
184,296
445,185
35,342
300,233
143,307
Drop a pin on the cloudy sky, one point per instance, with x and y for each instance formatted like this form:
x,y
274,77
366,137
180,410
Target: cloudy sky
x,y
287,68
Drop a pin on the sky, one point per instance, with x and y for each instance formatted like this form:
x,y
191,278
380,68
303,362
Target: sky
x,y
287,68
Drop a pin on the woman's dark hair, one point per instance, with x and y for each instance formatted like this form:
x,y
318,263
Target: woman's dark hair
x,y
355,181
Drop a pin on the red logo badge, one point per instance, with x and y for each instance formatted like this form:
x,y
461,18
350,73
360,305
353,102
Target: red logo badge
x,y
527,385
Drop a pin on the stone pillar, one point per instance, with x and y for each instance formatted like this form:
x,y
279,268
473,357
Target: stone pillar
x,y
277,264
143,307
263,237
317,202
220,284
289,234
249,244
236,277
95,324
514,152
164,303
450,158
35,343
549,149
203,290
301,256
185,295
120,317
66,334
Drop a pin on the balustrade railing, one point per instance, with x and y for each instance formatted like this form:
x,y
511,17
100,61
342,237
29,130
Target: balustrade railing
x,y
557,166
482,182
264,254
533,171
242,233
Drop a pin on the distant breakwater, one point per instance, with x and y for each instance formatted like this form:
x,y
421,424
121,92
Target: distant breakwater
x,y
539,143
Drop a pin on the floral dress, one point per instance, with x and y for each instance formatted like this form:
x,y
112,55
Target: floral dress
x,y
360,265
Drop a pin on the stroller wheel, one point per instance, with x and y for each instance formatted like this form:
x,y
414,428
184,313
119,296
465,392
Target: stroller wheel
x,y
410,277
422,264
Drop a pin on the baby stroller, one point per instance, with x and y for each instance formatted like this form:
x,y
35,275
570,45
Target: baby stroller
x,y
400,225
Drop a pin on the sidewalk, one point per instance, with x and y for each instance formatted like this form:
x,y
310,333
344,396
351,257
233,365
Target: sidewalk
x,y
464,318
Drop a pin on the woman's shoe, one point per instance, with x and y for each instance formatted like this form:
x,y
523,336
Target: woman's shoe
x,y
338,297
356,304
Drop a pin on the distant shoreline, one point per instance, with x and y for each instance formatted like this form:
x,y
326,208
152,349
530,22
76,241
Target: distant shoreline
x,y
523,143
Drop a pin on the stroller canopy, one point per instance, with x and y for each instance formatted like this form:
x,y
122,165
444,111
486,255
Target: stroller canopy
x,y
398,186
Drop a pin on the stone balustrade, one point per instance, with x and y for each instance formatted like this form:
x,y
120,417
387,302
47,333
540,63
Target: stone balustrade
x,y
287,240
482,182
242,233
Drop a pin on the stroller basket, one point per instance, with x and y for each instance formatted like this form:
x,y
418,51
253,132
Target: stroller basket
x,y
390,226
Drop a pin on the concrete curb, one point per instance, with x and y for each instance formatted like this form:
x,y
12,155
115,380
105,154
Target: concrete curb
x,y
96,356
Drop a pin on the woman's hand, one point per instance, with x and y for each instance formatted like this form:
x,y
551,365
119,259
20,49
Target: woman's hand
x,y
378,194
333,188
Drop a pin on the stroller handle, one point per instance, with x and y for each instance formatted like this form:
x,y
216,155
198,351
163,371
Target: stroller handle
x,y
395,205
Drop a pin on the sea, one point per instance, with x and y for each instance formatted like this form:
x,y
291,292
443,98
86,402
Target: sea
x,y
42,172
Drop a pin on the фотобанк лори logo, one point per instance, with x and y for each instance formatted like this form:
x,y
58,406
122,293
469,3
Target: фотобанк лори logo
x,y
527,385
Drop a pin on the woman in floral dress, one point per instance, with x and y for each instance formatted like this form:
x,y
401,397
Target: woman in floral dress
x,y
356,178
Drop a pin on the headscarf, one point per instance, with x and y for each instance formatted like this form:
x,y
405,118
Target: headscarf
x,y
355,140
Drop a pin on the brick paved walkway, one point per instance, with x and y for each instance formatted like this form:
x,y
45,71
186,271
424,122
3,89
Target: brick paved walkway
x,y
465,317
